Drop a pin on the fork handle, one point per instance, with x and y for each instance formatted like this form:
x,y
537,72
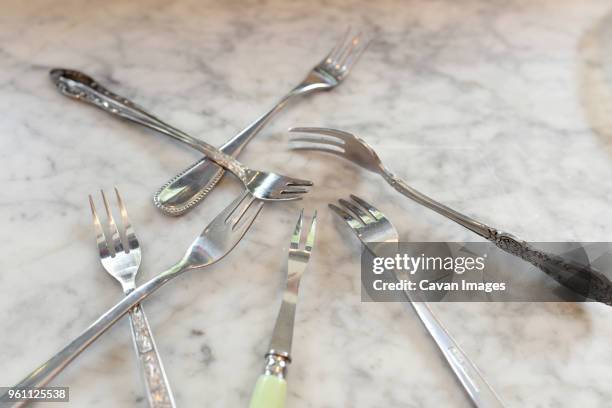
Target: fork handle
x,y
581,279
47,371
156,382
82,87
479,391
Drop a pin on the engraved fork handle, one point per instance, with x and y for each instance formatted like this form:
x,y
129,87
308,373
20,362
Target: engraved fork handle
x,y
583,280
79,86
157,386
47,371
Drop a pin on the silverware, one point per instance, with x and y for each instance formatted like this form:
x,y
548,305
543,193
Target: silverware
x,y
216,241
271,388
263,185
189,187
372,227
581,279
122,263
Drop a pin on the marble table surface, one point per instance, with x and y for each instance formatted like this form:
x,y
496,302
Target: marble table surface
x,y
502,110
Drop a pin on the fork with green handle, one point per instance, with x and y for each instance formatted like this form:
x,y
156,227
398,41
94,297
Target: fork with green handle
x,y
271,387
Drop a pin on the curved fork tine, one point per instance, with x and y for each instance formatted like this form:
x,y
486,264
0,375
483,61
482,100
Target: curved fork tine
x,y
128,230
103,249
340,134
112,227
348,218
363,216
328,140
369,207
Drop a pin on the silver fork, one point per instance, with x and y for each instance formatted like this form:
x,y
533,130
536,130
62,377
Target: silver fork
x,y
189,187
122,263
263,185
271,389
579,278
372,227
216,241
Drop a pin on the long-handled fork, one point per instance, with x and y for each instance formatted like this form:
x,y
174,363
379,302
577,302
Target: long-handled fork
x,y
189,187
216,241
263,185
122,262
372,227
271,388
580,278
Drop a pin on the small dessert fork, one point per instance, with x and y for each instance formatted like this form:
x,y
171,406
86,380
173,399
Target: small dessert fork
x,y
372,227
122,263
216,241
271,388
579,278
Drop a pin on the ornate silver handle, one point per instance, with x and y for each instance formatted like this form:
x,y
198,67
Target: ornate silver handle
x,y
157,386
77,85
579,278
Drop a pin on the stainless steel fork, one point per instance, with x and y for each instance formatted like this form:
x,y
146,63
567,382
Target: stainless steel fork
x,y
216,241
263,185
372,227
271,388
582,279
122,263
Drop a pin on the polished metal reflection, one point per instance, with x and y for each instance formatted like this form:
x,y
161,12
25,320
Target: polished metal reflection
x,y
189,187
371,227
216,241
263,185
583,280
300,248
122,261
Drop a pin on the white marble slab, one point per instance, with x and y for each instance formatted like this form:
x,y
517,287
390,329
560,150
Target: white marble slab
x,y
500,109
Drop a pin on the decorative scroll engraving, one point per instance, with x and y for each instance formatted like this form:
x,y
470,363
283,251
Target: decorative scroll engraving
x,y
579,278
154,376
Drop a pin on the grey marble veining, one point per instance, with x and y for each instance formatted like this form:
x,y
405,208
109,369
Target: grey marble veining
x,y
500,109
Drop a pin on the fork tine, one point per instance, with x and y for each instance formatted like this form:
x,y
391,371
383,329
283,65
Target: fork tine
x,y
112,227
363,216
128,230
311,233
299,182
339,134
294,191
369,207
316,148
348,49
333,141
333,54
100,237
297,232
354,56
249,210
348,218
